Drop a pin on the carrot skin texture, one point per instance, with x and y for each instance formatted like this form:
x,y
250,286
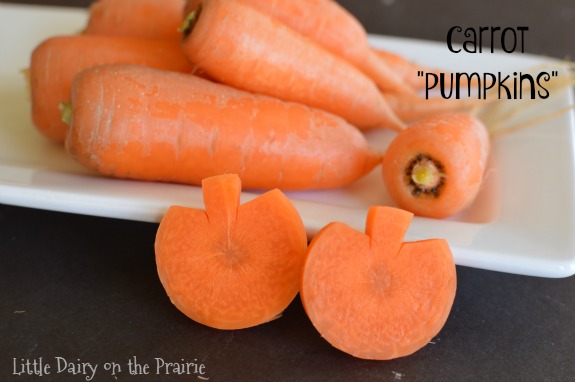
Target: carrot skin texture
x,y
242,47
231,266
412,109
332,27
56,61
372,295
135,122
459,142
156,19
407,70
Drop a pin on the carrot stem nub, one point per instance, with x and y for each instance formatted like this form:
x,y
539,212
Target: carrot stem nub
x,y
66,112
222,198
386,227
190,21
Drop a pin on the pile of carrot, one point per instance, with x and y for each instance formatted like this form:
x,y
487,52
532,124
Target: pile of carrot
x,y
176,91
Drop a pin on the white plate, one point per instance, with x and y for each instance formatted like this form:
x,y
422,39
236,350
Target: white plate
x,y
522,221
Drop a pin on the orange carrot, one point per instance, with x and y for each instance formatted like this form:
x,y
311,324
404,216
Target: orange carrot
x,y
240,46
56,60
231,266
435,167
372,295
159,19
135,122
331,26
407,70
414,108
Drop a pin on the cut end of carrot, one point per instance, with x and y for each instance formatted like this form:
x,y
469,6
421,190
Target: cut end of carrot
x,y
230,266
379,301
426,175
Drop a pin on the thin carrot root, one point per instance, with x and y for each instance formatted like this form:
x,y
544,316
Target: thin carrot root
x,y
372,295
503,116
231,266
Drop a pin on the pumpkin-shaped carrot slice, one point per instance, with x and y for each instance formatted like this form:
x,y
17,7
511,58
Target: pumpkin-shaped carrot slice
x,y
372,295
231,266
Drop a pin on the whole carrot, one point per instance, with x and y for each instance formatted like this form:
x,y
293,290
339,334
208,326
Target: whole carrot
x,y
130,121
332,27
55,61
158,19
240,46
435,168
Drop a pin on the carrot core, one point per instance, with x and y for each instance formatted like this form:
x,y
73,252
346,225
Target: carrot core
x,y
425,175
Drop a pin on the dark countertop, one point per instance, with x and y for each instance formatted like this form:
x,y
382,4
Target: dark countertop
x,y
85,289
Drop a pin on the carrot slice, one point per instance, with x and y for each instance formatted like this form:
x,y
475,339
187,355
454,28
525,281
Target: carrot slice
x,y
157,19
372,295
56,61
231,266
130,121
435,168
242,47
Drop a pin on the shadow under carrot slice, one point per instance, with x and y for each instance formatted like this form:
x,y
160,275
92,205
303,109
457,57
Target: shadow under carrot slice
x,y
372,295
231,266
